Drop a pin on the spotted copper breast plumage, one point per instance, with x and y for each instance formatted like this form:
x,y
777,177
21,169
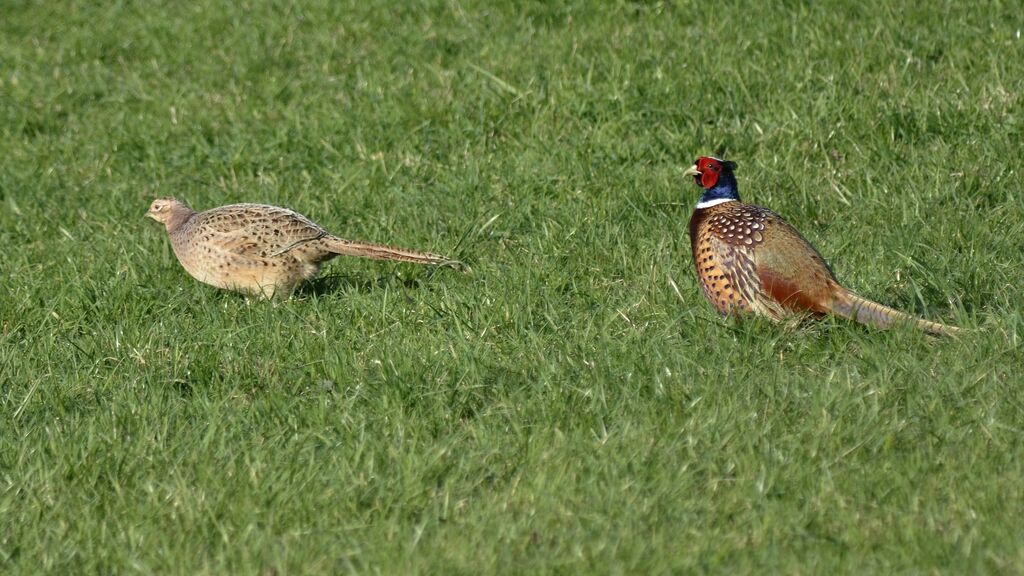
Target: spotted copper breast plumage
x,y
750,260
259,249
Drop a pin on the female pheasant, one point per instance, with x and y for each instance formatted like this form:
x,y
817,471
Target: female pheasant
x,y
749,260
262,250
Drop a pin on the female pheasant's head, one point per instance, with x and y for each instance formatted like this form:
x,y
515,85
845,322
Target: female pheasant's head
x,y
716,178
169,211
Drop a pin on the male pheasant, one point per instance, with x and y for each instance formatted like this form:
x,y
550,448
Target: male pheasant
x,y
749,260
261,250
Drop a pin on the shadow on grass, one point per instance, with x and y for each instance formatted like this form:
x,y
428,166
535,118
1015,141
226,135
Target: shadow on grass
x,y
331,283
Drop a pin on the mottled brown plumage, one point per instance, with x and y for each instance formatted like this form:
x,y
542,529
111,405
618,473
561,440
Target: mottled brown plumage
x,y
261,250
750,260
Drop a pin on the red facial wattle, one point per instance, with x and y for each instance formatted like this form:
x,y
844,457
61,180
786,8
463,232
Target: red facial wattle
x,y
707,178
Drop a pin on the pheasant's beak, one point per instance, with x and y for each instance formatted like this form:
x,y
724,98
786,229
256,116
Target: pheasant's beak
x,y
692,171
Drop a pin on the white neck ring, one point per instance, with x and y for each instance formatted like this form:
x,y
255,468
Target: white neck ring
x,y
715,202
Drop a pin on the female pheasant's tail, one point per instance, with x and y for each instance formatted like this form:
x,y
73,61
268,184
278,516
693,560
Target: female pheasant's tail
x,y
381,252
851,306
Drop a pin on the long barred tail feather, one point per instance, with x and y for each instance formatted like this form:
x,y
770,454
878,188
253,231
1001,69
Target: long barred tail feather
x,y
382,252
851,306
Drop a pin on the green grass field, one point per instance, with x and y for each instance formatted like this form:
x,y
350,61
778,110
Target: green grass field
x,y
571,405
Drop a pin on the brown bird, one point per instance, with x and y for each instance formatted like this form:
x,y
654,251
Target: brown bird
x,y
261,250
749,260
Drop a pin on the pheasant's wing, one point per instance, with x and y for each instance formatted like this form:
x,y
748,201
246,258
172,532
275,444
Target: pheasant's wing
x,y
791,272
258,230
768,266
732,282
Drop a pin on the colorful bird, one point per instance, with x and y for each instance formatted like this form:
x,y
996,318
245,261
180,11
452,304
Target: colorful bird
x,y
749,260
